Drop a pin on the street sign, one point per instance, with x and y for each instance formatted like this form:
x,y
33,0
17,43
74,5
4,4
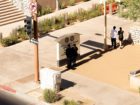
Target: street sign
x,y
33,7
34,41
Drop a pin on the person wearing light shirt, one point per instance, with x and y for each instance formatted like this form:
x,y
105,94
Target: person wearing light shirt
x,y
113,36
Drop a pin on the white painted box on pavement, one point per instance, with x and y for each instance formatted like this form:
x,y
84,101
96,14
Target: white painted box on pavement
x,y
50,79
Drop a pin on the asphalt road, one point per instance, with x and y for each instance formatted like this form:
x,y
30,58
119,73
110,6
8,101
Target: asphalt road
x,y
10,99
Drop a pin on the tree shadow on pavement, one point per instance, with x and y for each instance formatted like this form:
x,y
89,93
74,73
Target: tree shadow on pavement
x,y
65,84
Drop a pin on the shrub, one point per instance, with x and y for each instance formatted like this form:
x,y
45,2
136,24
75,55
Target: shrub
x,y
59,22
50,96
72,18
11,40
82,14
72,102
44,11
62,4
94,11
49,10
50,22
71,2
22,34
42,26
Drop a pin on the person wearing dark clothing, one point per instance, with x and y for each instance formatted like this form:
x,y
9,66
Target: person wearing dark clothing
x,y
75,53
120,33
69,55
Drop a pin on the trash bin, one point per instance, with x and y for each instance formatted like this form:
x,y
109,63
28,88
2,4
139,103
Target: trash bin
x,y
50,79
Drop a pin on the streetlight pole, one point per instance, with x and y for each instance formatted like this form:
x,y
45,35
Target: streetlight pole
x,y
105,26
36,52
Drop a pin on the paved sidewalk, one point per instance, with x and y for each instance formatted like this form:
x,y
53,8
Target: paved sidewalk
x,y
101,93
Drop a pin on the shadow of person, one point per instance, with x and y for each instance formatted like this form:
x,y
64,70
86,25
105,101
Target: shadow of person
x,y
128,41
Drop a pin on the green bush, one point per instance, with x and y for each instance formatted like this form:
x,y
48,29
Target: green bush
x,y
11,40
71,2
62,4
44,11
72,102
59,22
22,34
50,96
49,22
82,14
72,18
42,26
95,11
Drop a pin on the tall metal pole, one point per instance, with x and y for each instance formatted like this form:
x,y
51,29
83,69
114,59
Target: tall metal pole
x,y
105,27
36,54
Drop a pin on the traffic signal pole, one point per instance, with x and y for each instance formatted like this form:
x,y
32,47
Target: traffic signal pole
x,y
105,27
36,52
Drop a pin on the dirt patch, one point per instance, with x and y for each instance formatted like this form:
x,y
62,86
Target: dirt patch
x,y
112,67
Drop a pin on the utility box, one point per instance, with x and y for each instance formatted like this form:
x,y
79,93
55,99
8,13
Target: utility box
x,y
50,79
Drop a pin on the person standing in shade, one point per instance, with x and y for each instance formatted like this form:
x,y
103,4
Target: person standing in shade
x,y
69,55
75,54
113,37
120,33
